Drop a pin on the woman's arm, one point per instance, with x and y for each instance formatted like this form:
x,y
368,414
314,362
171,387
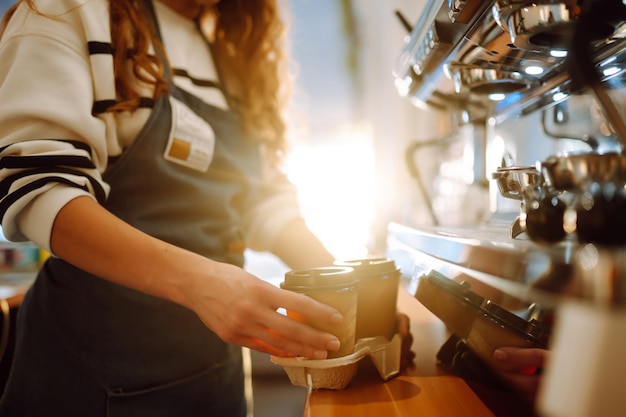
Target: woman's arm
x,y
236,305
299,248
521,367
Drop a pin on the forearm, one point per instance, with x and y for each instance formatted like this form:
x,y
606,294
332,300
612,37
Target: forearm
x,y
89,237
299,248
237,306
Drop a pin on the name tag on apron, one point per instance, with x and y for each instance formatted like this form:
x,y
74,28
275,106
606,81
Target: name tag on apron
x,y
192,139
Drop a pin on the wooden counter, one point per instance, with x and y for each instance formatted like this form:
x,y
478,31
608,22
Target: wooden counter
x,y
425,389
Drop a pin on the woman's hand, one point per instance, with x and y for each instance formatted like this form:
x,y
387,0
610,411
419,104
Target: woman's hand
x,y
521,368
242,309
239,307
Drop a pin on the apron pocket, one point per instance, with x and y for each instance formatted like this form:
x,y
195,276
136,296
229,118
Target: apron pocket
x,y
216,392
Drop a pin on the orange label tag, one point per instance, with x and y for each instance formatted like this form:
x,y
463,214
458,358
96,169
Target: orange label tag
x,y
192,140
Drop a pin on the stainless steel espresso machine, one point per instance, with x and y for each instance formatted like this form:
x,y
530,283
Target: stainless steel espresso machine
x,y
545,81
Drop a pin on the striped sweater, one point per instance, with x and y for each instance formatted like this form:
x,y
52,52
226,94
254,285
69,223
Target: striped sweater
x,y
56,137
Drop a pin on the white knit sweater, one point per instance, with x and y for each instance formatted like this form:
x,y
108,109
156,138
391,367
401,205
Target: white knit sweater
x,y
53,148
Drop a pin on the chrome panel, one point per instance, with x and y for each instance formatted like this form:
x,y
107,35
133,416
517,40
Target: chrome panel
x,y
519,267
504,39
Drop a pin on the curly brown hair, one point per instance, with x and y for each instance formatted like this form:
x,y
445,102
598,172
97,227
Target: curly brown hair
x,y
249,47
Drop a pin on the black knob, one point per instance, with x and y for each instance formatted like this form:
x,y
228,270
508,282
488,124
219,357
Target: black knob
x,y
601,215
544,219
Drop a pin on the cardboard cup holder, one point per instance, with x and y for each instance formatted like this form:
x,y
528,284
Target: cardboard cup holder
x,y
336,373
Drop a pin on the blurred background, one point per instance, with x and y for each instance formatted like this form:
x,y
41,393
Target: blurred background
x,y
347,147
350,129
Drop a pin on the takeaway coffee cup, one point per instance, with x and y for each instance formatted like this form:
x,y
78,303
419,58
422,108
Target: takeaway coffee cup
x,y
336,287
378,294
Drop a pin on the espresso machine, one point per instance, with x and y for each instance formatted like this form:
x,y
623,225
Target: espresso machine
x,y
544,83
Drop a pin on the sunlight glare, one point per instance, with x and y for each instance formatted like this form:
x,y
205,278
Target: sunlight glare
x,y
336,181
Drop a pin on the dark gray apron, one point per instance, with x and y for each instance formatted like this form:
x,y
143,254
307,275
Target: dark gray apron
x,y
87,347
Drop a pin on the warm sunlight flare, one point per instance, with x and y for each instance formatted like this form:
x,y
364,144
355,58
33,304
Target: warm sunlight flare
x,y
335,176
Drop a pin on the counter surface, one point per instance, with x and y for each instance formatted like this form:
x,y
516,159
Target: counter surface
x,y
425,389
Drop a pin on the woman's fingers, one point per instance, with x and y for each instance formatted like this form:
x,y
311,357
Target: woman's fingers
x,y
256,323
523,383
520,367
523,360
294,338
243,310
305,306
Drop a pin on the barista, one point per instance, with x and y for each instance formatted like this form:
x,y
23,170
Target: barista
x,y
140,144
